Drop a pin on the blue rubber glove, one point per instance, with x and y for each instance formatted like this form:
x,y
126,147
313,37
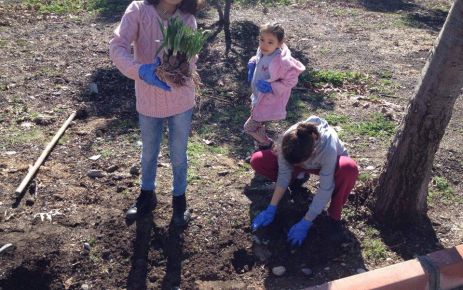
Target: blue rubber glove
x,y
147,73
263,86
298,232
251,69
264,218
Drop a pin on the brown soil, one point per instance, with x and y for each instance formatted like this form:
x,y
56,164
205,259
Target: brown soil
x,y
49,67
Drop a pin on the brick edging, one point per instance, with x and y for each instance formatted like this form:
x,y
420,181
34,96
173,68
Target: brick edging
x,y
441,270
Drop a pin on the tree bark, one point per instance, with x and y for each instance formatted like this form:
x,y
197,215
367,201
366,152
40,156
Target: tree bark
x,y
400,196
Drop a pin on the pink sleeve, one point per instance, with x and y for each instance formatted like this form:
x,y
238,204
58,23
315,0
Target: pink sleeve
x,y
288,82
120,45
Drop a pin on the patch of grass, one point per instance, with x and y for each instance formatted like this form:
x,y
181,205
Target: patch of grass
x,y
373,247
3,43
17,135
376,126
77,6
441,191
365,177
106,152
336,119
336,78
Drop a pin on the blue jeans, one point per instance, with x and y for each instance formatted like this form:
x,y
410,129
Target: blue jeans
x,y
151,135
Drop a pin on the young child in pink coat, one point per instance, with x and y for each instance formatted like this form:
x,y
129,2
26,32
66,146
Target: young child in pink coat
x,y
273,72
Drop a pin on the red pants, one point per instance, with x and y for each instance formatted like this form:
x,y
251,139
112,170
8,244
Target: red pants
x,y
266,163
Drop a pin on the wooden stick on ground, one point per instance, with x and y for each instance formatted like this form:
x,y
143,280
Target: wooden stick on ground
x,y
46,151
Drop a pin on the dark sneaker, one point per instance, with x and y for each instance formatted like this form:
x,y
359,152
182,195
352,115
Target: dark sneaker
x,y
180,214
146,202
298,183
266,147
336,232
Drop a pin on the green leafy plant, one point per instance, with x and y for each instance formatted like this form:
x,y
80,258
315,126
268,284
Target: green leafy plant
x,y
180,45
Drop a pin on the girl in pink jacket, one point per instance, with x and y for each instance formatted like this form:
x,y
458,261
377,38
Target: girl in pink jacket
x,y
273,72
156,102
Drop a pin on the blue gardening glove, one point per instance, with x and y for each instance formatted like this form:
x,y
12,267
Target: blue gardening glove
x,y
263,86
147,73
298,232
251,69
264,218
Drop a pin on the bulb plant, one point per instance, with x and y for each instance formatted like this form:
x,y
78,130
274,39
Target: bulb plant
x,y
180,45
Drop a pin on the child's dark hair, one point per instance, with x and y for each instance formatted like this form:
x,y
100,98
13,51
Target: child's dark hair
x,y
297,145
186,6
274,28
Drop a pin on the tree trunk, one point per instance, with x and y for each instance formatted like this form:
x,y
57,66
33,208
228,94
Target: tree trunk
x,y
226,25
402,188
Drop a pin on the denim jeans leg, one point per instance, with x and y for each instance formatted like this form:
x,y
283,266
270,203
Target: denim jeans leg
x,y
151,136
179,130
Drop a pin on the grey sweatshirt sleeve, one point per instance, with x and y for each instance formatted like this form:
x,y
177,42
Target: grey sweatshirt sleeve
x,y
326,187
285,171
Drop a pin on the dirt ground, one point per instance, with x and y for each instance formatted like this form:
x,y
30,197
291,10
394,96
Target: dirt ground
x,y
68,229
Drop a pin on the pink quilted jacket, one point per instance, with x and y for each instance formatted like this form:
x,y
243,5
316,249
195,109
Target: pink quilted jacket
x,y
139,26
284,72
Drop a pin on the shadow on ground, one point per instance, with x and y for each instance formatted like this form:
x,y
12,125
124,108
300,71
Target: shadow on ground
x,y
318,254
411,242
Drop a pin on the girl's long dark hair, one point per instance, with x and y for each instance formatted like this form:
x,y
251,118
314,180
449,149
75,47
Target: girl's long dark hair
x,y
297,145
186,6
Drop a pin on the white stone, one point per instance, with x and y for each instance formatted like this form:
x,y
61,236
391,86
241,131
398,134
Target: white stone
x,y
6,248
279,270
307,271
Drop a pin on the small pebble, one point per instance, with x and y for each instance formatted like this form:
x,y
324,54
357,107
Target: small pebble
x,y
306,271
84,287
87,247
278,270
6,248
360,270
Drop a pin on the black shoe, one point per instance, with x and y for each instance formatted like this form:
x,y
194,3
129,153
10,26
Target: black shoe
x,y
336,232
266,147
298,183
145,203
180,215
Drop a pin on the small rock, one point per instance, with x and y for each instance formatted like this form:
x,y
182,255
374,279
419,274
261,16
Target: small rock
x,y
94,173
95,157
106,255
135,170
361,270
93,88
87,247
6,248
307,271
370,167
112,168
223,173
279,270
30,201
85,287
326,268
43,120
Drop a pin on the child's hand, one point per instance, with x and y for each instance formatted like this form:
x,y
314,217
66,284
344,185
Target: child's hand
x,y
264,218
251,69
147,73
264,86
298,232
